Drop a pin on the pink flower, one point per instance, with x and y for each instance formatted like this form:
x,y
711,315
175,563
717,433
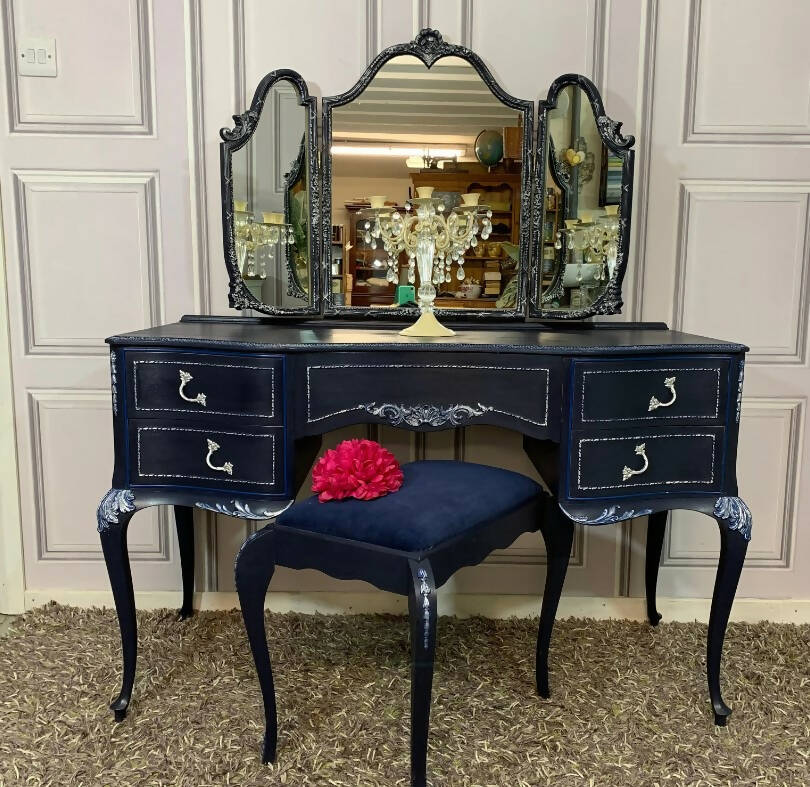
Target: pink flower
x,y
356,468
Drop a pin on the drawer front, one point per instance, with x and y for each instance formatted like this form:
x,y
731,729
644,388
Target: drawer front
x,y
671,390
197,385
250,460
650,462
436,390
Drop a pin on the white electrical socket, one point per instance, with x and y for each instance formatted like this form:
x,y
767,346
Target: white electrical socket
x,y
36,57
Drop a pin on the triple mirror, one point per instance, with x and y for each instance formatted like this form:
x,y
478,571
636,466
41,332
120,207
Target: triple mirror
x,y
434,192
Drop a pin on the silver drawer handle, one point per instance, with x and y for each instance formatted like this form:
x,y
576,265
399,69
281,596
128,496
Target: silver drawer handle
x,y
641,450
212,448
185,378
669,382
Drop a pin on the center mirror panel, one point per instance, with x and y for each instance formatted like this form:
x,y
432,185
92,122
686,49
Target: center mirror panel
x,y
427,139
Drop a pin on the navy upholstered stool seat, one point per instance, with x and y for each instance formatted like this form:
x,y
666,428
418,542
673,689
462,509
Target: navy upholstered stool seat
x,y
446,515
437,501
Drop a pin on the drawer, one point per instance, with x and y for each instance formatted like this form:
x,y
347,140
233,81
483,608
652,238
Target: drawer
x,y
199,385
179,454
652,461
674,390
435,390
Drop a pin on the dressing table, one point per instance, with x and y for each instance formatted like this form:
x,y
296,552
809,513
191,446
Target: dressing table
x,y
621,420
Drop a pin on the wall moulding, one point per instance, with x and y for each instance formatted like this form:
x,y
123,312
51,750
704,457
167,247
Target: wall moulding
x,y
39,340
139,122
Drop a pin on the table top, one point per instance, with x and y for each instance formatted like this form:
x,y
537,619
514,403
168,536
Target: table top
x,y
256,334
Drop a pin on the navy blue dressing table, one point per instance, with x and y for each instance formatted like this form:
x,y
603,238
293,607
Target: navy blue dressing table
x,y
620,420
580,396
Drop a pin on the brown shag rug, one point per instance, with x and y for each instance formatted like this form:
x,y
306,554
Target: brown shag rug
x,y
629,704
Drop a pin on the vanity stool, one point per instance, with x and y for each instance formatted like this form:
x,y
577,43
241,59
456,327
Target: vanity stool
x,y
446,515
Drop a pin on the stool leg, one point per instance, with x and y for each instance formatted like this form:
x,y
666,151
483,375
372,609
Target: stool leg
x,y
558,533
656,527
422,607
184,520
255,565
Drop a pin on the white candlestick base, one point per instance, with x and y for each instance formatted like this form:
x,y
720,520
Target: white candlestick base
x,y
427,325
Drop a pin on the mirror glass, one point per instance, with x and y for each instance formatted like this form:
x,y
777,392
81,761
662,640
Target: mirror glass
x,y
413,128
581,226
270,199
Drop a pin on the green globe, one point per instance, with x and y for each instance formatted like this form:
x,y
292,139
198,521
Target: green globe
x,y
489,147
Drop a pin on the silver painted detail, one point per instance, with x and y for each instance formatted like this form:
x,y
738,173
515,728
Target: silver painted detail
x,y
609,515
424,590
186,378
426,414
737,513
112,505
655,403
628,472
239,509
114,382
740,389
212,449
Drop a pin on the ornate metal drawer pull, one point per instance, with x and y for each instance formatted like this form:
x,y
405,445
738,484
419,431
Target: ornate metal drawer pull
x,y
669,382
212,448
641,450
185,378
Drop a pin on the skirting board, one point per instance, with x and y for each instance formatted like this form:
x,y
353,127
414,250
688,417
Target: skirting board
x,y
747,610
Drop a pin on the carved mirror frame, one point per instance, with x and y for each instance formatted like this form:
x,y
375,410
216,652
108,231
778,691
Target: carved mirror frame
x,y
610,301
239,297
429,47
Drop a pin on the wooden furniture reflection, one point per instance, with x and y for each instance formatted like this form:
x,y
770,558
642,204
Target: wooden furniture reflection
x,y
364,282
486,263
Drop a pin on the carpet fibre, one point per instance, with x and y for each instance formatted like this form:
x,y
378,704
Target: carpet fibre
x,y
629,704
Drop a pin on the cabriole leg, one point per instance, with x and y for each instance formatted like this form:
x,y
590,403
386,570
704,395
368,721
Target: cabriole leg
x,y
184,520
656,527
255,565
558,534
422,607
734,520
114,512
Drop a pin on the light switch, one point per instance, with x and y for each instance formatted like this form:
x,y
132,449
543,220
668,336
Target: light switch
x,y
36,57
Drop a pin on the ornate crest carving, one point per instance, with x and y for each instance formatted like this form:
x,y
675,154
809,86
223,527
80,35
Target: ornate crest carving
x,y
736,513
609,515
611,130
426,414
244,125
239,509
112,505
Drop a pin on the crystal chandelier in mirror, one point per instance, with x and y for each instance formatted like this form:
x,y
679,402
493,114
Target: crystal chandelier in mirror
x,y
433,238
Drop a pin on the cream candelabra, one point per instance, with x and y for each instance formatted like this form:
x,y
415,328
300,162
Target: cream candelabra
x,y
433,239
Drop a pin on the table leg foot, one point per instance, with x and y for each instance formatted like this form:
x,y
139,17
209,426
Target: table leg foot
x,y
656,527
255,565
734,520
184,520
558,534
114,513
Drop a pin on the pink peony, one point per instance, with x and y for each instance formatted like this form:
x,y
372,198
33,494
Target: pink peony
x,y
356,468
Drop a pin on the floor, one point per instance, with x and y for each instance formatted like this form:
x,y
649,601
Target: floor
x,y
5,624
629,704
